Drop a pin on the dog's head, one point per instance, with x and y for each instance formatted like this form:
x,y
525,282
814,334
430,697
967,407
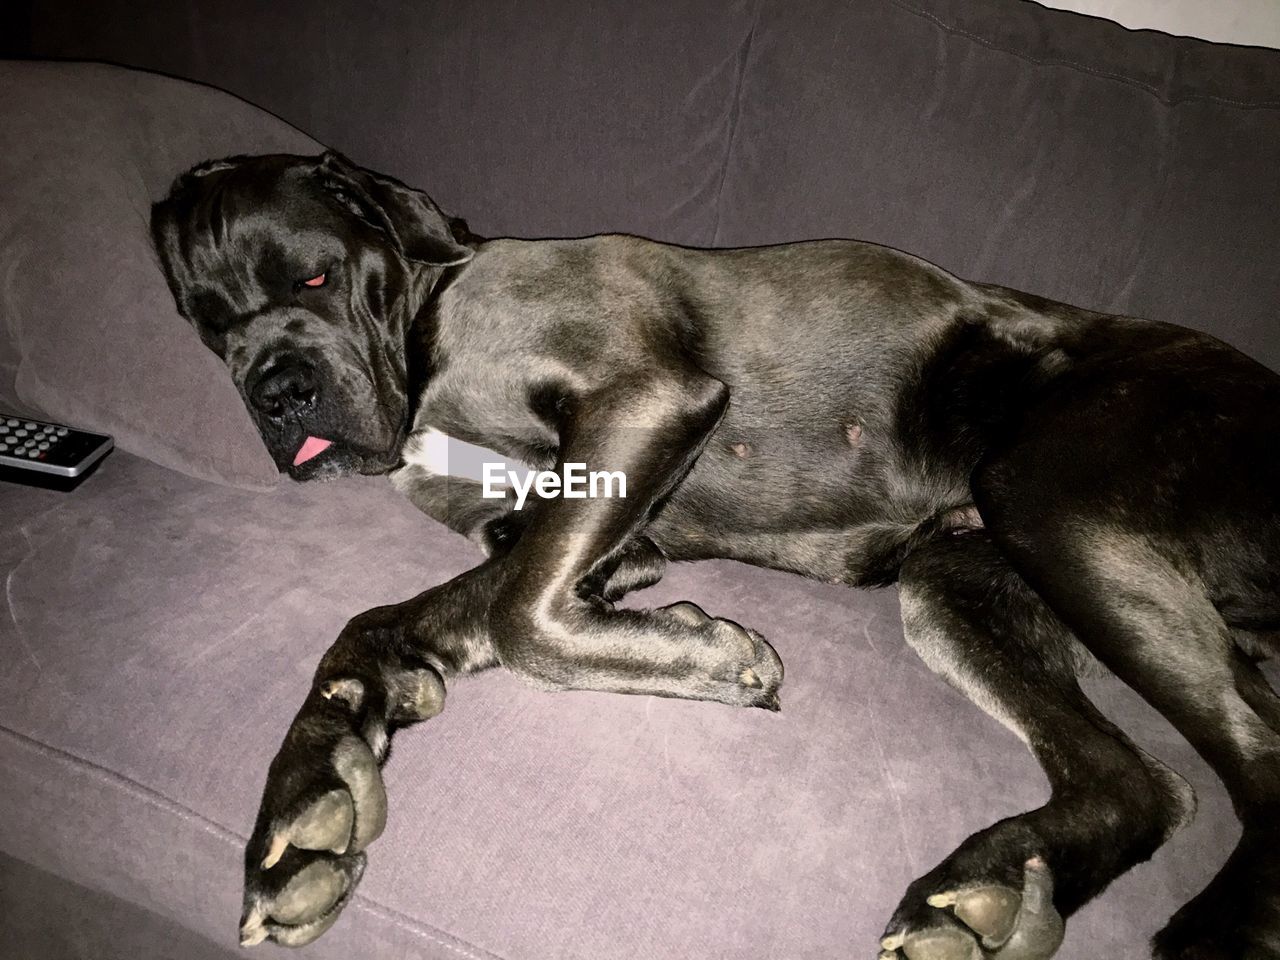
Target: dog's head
x,y
305,274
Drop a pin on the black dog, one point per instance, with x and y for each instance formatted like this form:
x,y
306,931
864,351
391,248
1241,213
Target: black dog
x,y
1047,485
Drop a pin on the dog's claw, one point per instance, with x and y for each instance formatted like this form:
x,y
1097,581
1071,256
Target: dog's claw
x,y
325,825
744,668
349,690
279,844
252,929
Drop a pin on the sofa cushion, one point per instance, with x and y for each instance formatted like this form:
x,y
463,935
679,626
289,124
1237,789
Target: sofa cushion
x,y
1129,172
160,633
528,118
1122,170
88,331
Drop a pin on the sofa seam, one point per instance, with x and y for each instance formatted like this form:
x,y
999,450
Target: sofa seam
x,y
119,780
109,775
951,28
734,117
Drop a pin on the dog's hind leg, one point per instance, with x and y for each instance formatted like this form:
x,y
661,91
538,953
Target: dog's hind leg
x,y
1139,531
1005,890
1151,621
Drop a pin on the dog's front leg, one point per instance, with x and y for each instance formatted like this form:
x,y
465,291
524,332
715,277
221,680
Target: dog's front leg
x,y
495,525
537,607
324,802
549,623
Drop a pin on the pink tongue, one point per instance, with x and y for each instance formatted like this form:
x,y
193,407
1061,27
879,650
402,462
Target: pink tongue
x,y
311,447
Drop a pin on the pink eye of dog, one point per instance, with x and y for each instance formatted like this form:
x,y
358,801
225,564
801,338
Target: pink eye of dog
x,y
316,281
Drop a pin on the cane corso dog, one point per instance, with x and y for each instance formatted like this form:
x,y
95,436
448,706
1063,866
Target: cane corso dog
x,y
1051,488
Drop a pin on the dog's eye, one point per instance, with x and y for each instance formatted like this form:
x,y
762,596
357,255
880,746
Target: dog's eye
x,y
316,281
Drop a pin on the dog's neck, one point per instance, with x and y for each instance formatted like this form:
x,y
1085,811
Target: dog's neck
x,y
419,344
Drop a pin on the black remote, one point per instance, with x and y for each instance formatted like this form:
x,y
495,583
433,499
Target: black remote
x,y
32,451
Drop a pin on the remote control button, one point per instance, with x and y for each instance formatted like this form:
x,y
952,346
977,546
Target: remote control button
x,y
30,424
4,428
19,432
42,446
62,431
11,422
33,454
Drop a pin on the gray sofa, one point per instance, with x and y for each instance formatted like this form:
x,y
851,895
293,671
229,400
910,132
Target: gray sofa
x,y
161,623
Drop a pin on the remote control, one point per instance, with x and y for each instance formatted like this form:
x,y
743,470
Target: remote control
x,y
31,450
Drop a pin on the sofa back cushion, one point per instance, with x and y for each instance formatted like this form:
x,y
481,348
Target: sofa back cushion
x,y
1126,171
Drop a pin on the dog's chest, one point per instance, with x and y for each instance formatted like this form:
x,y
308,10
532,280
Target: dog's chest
x,y
485,412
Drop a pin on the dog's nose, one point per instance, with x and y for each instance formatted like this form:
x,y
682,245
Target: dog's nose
x,y
284,386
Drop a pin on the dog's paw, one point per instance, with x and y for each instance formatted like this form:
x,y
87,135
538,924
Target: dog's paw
x,y
746,669
979,921
323,804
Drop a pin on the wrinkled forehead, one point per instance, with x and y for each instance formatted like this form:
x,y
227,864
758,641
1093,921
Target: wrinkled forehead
x,y
256,209
252,236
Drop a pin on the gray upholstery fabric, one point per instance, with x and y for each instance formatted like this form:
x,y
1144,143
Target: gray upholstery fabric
x,y
160,631
541,119
1121,170
1131,172
45,917
88,331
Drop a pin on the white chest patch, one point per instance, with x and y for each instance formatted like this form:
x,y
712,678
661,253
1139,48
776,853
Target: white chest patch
x,y
429,450
433,453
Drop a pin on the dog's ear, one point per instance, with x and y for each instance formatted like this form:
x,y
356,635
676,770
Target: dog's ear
x,y
409,217
216,166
